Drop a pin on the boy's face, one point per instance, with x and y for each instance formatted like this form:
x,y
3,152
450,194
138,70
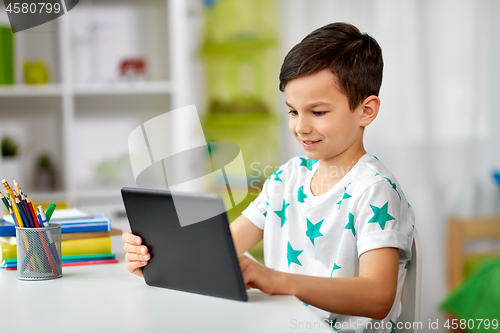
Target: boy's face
x,y
321,120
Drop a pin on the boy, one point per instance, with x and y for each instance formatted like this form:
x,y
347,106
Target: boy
x,y
337,228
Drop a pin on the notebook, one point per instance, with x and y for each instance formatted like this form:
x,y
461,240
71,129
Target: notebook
x,y
199,257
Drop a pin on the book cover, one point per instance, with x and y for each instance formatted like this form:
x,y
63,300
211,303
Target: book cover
x,y
7,251
13,266
83,246
73,247
98,223
7,229
88,227
87,257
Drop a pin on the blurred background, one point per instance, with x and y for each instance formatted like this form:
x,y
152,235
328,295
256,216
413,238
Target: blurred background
x,y
73,89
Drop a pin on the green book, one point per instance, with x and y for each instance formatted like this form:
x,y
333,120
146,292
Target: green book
x,y
64,258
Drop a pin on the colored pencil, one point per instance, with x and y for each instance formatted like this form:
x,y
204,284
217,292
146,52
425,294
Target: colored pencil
x,y
17,214
5,202
33,214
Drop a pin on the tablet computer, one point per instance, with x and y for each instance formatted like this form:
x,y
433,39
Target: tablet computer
x,y
198,258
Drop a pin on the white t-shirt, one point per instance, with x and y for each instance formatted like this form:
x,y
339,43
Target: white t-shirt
x,y
324,235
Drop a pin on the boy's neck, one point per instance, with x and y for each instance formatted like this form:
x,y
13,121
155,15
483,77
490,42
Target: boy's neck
x,y
336,167
332,170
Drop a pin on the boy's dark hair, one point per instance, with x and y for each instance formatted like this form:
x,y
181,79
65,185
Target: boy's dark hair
x,y
353,57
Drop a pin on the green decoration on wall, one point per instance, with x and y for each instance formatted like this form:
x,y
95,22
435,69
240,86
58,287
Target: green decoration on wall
x,y
240,55
7,72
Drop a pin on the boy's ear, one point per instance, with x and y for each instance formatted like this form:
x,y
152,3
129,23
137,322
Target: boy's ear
x,y
369,111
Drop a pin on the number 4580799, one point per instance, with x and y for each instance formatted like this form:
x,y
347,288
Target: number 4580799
x,y
471,324
40,7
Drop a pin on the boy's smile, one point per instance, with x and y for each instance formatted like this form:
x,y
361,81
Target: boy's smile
x,y
322,122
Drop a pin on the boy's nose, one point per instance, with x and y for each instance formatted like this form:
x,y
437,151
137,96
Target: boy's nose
x,y
302,125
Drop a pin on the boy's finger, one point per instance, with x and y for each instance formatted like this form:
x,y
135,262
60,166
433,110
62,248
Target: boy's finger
x,y
135,268
135,249
129,257
130,238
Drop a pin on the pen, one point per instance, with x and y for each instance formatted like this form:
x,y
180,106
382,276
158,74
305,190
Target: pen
x,y
52,245
50,210
42,216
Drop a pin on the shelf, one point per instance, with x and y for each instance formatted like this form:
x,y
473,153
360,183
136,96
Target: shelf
x,y
99,194
48,196
88,109
125,88
31,91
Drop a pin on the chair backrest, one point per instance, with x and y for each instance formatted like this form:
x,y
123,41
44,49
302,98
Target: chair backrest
x,y
409,319
462,230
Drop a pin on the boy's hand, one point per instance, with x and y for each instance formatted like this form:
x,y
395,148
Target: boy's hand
x,y
256,275
137,255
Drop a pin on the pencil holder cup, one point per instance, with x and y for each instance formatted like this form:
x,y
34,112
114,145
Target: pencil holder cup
x,y
39,253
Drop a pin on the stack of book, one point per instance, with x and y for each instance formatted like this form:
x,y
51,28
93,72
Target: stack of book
x,y
85,239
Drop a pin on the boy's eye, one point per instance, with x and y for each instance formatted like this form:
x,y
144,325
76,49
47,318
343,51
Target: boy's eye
x,y
292,112
319,113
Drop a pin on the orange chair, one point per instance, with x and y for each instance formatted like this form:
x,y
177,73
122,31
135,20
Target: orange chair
x,y
461,230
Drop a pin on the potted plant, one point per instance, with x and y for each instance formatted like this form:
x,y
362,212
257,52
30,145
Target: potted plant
x,y
11,166
44,173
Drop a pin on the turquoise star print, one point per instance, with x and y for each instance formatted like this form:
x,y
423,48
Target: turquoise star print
x,y
307,163
281,213
380,215
276,175
313,230
300,194
267,203
335,266
394,186
350,224
345,196
292,255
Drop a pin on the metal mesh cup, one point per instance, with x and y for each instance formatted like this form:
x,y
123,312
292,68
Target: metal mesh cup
x,y
39,253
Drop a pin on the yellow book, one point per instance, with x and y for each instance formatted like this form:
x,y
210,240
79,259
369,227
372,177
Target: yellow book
x,y
97,245
73,247
7,250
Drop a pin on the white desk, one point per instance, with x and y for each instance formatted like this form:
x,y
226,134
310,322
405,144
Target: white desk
x,y
107,298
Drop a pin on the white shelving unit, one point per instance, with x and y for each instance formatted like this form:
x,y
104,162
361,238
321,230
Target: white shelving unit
x,y
66,108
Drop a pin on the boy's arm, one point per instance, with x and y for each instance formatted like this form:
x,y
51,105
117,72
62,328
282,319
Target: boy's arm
x,y
369,295
245,234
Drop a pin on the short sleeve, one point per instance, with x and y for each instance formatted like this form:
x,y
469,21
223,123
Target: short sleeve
x,y
383,218
257,210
